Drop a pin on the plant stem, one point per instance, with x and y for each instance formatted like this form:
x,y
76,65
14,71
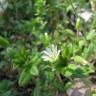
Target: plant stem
x,y
71,2
60,79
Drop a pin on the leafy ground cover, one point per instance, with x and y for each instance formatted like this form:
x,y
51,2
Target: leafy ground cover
x,y
47,47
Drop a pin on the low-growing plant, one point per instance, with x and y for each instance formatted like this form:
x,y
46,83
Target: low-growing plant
x,y
47,44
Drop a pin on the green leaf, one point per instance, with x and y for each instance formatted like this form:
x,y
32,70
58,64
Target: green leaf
x,y
24,78
91,35
69,32
88,51
9,93
34,70
4,42
80,60
4,83
82,3
37,89
68,85
68,71
82,43
77,71
78,24
11,52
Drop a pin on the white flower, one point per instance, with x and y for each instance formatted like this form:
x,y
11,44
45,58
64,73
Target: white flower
x,y
3,5
86,15
51,54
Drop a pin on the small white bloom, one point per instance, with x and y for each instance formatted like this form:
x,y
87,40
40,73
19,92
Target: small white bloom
x,y
51,54
3,5
86,15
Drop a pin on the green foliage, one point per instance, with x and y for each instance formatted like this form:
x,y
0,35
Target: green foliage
x,y
26,61
48,44
4,42
24,78
6,91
